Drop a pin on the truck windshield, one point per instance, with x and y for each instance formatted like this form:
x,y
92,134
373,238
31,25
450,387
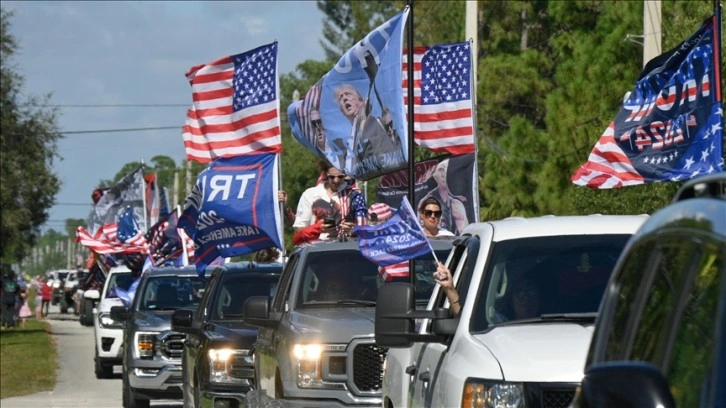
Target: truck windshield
x,y
171,293
346,278
236,289
536,279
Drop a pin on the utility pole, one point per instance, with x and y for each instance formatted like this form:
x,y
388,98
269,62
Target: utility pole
x,y
472,32
651,30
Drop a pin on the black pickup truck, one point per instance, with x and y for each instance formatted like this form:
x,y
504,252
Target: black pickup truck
x,y
217,360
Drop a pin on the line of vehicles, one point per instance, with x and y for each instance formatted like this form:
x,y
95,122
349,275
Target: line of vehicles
x,y
325,330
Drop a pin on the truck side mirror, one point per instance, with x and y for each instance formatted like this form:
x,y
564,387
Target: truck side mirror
x,y
92,294
120,313
256,312
395,301
625,384
181,320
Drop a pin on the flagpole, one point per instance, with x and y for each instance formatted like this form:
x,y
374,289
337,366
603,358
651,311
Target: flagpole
x,y
411,167
717,51
281,208
185,252
143,197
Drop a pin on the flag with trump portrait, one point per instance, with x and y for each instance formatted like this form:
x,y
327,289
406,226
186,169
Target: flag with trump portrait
x,y
670,127
232,209
354,117
235,106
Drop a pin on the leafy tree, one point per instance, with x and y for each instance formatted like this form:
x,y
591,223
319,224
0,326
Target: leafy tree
x,y
28,136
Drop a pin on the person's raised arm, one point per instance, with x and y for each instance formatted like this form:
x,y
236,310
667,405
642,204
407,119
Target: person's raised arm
x,y
443,278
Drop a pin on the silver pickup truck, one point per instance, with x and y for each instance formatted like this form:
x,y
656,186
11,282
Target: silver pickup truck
x,y
316,345
152,351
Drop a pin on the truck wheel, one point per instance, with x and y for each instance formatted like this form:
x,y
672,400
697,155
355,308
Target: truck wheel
x,y
63,305
102,370
87,315
129,397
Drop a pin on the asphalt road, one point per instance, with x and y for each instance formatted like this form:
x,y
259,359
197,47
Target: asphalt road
x,y
76,385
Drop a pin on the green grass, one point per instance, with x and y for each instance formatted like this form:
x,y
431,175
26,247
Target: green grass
x,y
27,359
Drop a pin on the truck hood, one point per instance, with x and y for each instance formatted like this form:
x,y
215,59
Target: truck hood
x,y
157,321
336,325
550,352
235,335
105,304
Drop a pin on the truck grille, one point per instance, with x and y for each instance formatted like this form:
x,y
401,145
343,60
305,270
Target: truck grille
x,y
368,366
557,398
173,345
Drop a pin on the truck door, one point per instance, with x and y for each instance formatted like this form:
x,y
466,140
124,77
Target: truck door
x,y
427,374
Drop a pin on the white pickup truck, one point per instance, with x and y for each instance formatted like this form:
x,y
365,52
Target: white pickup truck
x,y
529,291
108,333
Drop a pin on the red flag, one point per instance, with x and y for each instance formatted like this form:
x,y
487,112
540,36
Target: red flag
x,y
235,109
443,111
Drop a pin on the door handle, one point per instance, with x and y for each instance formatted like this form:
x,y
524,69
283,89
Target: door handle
x,y
411,370
425,376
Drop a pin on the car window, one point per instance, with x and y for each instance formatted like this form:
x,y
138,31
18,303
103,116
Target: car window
x,y
541,277
171,292
333,276
234,292
278,303
643,337
694,349
121,280
425,266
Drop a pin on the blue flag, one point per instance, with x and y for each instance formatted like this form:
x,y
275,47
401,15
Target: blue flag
x,y
353,117
127,225
670,127
396,240
232,210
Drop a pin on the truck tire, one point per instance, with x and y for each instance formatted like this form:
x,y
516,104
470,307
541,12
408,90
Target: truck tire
x,y
63,305
102,370
129,397
86,316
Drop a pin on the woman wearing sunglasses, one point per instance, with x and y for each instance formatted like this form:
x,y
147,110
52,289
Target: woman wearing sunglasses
x,y
430,213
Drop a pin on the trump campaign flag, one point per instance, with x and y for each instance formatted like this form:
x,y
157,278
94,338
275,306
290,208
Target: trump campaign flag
x,y
443,99
235,109
232,210
353,117
670,127
396,240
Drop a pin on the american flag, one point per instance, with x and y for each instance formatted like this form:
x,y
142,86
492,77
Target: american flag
x,y
443,108
308,113
105,241
235,109
390,272
670,127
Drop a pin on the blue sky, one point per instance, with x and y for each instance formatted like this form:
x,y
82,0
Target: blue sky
x,y
136,53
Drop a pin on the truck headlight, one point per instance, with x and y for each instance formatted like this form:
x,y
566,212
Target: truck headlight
x,y
307,357
105,320
488,394
144,344
228,366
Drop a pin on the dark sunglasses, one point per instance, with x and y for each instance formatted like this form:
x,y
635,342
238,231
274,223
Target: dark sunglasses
x,y
428,213
339,177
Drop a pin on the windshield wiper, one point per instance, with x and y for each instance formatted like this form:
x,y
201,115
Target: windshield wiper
x,y
570,317
355,302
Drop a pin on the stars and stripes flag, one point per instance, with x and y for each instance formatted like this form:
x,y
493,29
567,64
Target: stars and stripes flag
x,y
235,108
443,102
670,126
106,241
397,270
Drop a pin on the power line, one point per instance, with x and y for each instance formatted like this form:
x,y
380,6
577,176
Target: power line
x,y
81,204
118,105
79,132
